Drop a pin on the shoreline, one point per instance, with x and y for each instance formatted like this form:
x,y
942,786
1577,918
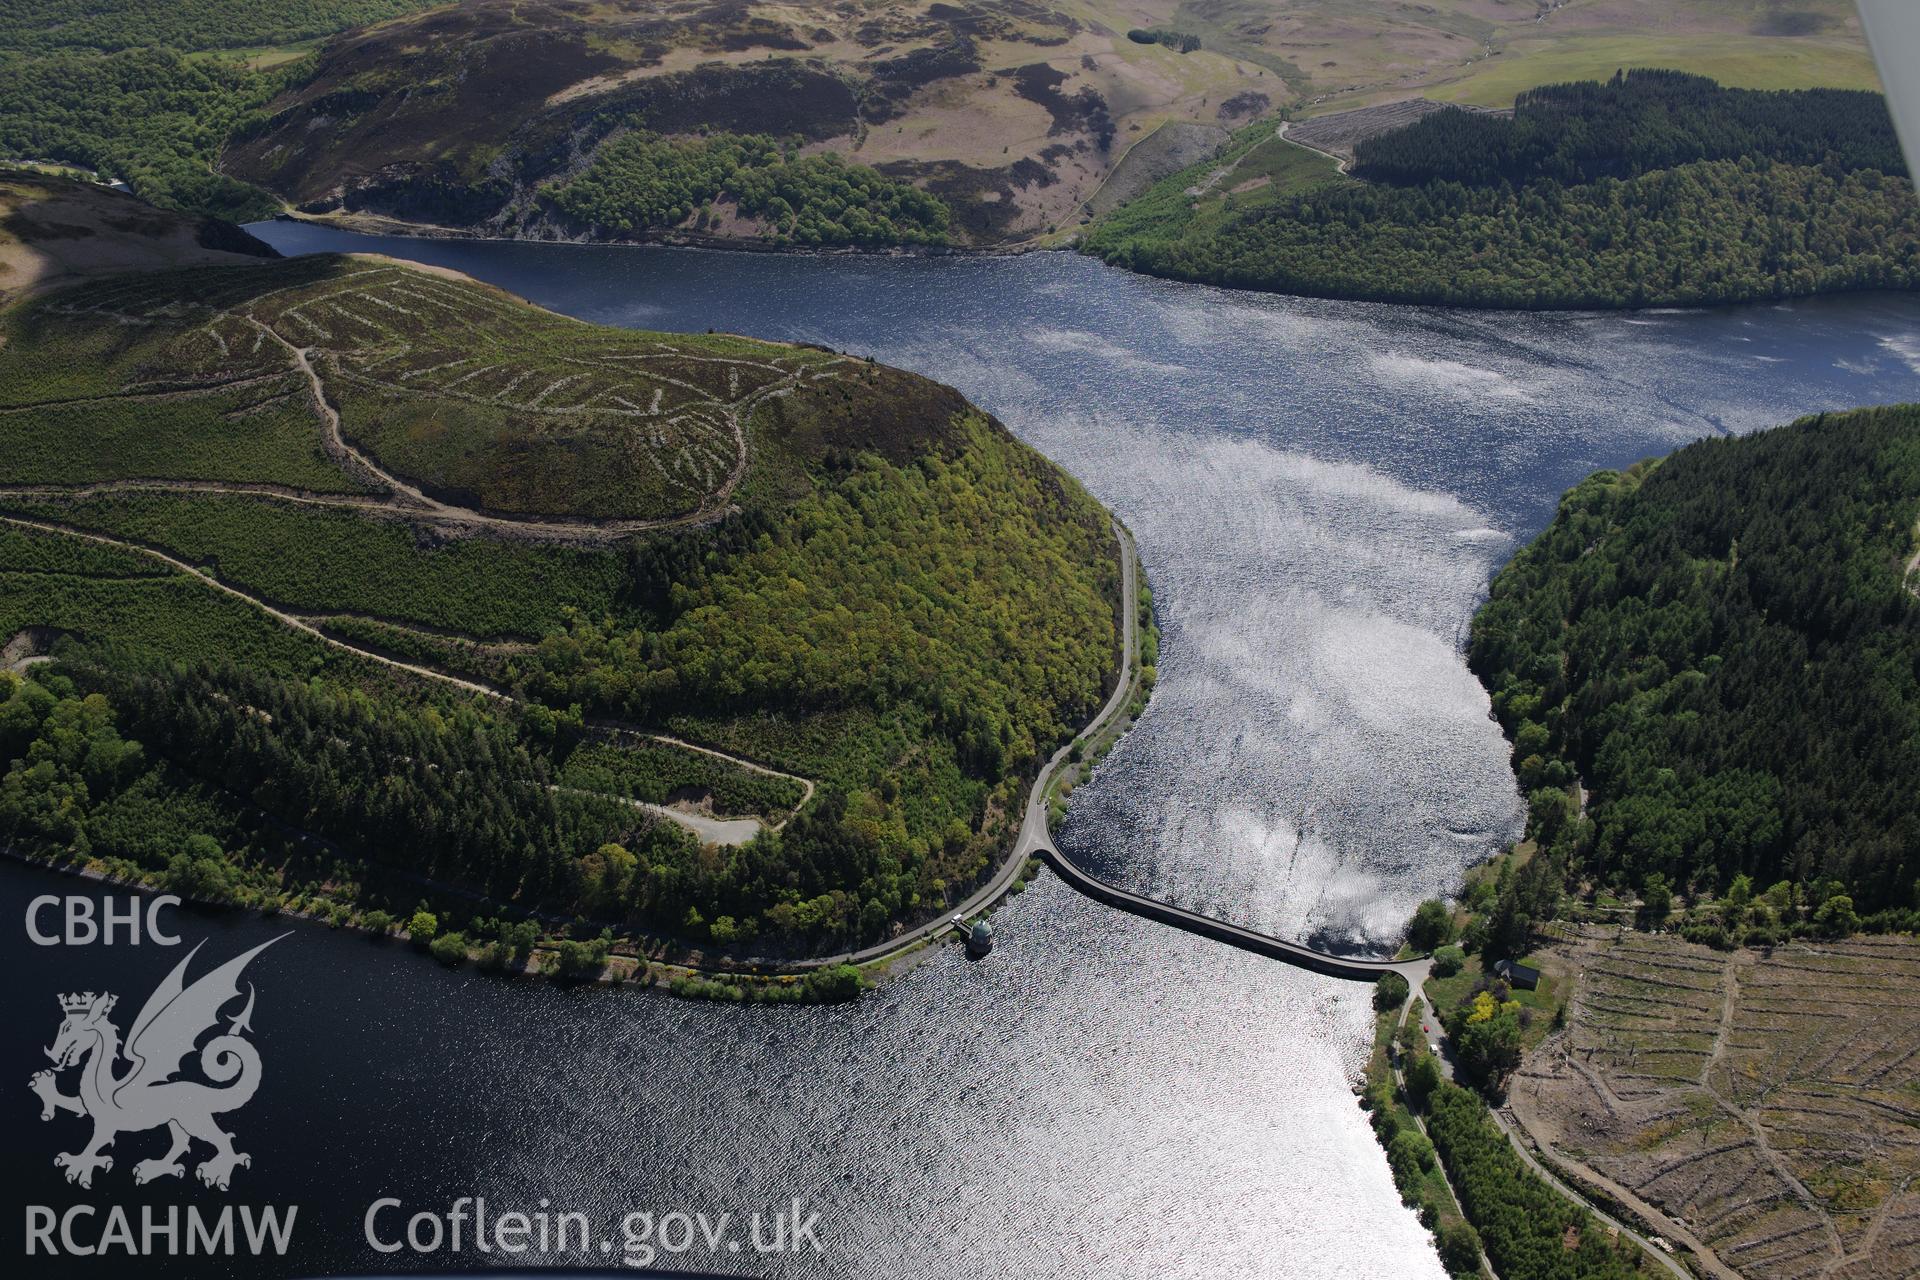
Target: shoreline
x,y
378,224
621,968
395,228
1393,1106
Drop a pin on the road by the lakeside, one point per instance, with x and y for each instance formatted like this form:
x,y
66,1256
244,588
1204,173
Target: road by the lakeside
x,y
1032,840
1033,837
1036,841
1662,1256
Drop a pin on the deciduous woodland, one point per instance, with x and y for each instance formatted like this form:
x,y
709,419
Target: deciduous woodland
x,y
148,116
642,183
284,526
1652,188
109,25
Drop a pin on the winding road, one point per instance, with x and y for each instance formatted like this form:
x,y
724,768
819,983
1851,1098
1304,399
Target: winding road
x,y
1033,839
1662,1256
392,495
1036,841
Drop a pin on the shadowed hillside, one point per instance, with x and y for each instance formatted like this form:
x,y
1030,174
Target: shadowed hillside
x,y
54,230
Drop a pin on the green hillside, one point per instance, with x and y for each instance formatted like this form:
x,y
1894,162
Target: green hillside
x,y
394,579
149,93
1654,188
186,25
1724,648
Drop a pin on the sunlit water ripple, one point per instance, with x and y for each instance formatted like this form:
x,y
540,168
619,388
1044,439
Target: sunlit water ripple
x,y
1320,492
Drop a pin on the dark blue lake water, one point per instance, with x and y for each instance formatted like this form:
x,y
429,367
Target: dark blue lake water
x,y
1320,492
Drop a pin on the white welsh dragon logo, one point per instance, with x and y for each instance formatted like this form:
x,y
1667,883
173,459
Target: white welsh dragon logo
x,y
145,1096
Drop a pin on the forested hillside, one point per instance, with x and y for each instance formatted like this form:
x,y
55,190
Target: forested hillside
x,y
646,183
1633,124
366,579
993,123
123,88
150,117
1652,188
184,25
1724,649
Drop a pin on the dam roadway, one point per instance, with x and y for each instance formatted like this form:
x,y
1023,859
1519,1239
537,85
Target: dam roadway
x,y
1036,841
1355,967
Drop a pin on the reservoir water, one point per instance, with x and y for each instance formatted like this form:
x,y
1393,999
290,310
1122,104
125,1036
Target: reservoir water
x,y
1320,492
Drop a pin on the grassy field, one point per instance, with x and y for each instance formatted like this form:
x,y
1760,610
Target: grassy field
x,y
264,57
1254,169
1543,1003
1352,53
1273,167
1760,1102
1741,62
